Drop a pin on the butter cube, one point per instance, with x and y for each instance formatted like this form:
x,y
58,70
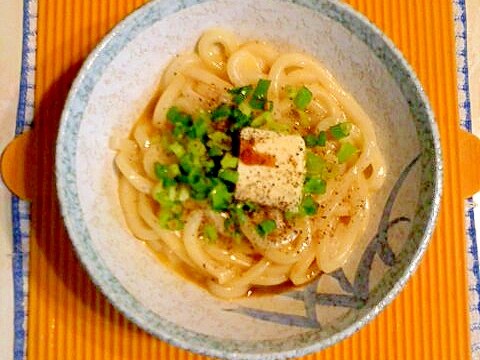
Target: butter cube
x,y
271,168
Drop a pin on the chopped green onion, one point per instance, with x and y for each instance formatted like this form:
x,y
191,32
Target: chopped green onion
x,y
177,149
341,130
245,108
200,187
215,151
257,104
220,197
322,138
277,126
303,98
167,221
291,92
262,119
199,128
229,161
308,206
163,219
161,171
220,140
315,186
240,93
259,96
177,117
196,148
173,170
187,163
240,120
346,151
210,232
266,227
228,175
183,193
310,140
177,208
304,118
238,214
261,89
315,164
157,191
208,165
221,112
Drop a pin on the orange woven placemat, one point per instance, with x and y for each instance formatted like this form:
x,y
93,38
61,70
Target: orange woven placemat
x,y
70,319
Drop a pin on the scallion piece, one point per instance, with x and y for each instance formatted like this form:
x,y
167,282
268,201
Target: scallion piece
x,y
220,140
291,92
261,89
210,232
303,98
175,116
238,213
208,165
341,130
245,108
215,151
222,112
315,186
183,193
259,96
229,161
240,93
277,126
173,170
196,148
240,120
228,175
347,150
200,187
220,197
177,149
161,171
266,227
322,138
199,128
257,104
310,140
305,120
315,164
187,163
163,219
261,119
309,206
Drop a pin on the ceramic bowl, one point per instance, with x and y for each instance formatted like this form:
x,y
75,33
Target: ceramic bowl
x,y
111,91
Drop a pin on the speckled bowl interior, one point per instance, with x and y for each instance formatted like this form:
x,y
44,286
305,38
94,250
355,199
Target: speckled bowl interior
x,y
110,93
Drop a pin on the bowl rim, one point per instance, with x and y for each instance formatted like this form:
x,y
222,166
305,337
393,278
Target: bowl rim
x,y
127,304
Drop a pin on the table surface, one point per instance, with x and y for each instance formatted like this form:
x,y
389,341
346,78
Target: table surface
x,y
67,315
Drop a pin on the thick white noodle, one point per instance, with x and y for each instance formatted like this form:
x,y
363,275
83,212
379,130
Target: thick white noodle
x,y
215,46
323,243
129,203
198,255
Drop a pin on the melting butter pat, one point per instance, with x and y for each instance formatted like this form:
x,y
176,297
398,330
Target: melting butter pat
x,y
271,168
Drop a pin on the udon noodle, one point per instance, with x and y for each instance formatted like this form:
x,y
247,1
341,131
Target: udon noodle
x,y
181,168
